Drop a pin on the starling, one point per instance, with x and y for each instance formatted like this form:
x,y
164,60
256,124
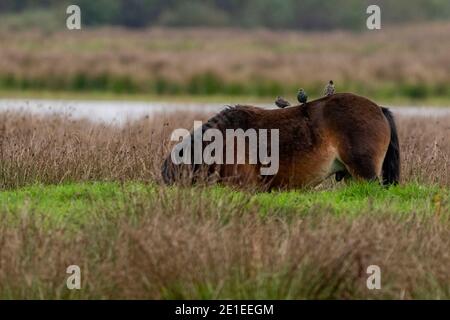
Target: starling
x,y
302,97
282,103
329,89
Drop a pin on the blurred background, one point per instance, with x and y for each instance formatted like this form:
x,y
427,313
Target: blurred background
x,y
226,48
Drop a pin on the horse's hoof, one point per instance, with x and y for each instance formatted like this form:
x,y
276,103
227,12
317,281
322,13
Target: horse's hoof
x,y
340,175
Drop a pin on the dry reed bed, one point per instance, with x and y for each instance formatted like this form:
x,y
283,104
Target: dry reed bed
x,y
393,55
56,150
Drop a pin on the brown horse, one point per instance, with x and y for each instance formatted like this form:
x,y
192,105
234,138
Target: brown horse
x,y
342,134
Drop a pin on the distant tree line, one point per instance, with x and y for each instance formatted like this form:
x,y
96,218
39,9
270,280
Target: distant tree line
x,y
276,14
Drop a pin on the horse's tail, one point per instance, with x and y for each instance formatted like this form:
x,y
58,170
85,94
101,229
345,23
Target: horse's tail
x,y
391,163
231,117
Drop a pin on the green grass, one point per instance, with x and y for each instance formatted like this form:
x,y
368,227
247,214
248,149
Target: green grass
x,y
105,96
199,98
357,198
69,203
136,240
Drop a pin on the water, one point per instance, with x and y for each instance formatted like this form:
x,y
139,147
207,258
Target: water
x,y
118,112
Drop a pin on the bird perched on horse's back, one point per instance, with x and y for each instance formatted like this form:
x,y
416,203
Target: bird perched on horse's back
x,y
302,97
329,89
282,103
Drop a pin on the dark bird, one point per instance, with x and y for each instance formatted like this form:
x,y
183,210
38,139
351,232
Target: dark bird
x,y
302,97
329,89
282,103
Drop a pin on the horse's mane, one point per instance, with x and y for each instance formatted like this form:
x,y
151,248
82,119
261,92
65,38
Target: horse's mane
x,y
237,116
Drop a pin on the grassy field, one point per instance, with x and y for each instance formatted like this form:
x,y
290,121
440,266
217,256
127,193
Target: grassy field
x,y
143,241
76,192
186,98
70,201
406,63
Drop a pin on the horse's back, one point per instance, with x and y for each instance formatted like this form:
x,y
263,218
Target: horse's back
x,y
348,108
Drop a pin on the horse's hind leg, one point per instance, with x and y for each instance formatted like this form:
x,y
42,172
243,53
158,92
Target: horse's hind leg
x,y
341,175
362,165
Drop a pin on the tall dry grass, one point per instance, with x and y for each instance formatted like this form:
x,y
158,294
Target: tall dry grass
x,y
56,150
425,149
184,247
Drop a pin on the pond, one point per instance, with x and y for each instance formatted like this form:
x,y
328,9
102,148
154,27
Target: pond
x,y
118,112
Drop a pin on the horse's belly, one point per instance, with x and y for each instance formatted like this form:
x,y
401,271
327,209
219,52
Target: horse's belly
x,y
309,169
